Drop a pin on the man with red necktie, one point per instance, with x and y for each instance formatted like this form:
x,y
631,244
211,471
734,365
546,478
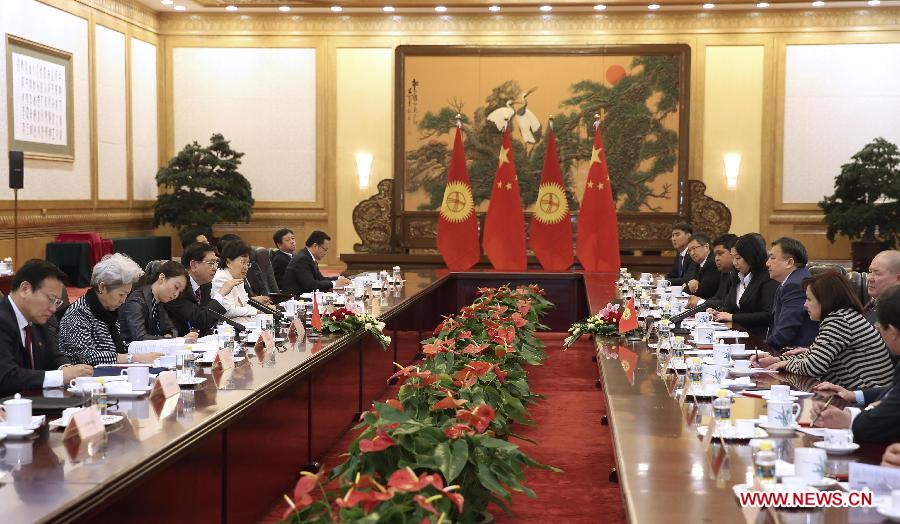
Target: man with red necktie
x,y
29,357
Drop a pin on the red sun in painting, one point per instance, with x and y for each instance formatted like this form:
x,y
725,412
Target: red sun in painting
x,y
614,74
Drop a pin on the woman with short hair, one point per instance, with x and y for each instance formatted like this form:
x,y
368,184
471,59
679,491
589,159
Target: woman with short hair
x,y
234,262
89,330
143,317
751,298
848,351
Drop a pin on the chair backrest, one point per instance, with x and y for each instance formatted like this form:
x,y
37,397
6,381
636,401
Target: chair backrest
x,y
262,256
152,266
859,282
816,269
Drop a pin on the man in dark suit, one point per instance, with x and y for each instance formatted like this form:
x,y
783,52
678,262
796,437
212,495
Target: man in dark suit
x,y
683,266
302,274
705,279
286,244
29,357
195,309
790,325
874,413
721,248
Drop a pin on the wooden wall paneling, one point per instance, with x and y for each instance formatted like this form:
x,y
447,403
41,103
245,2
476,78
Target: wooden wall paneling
x,y
334,399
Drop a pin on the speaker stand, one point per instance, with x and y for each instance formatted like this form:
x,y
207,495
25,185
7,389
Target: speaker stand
x,y
16,260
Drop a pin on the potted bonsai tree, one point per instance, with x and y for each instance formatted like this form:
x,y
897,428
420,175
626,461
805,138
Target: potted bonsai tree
x,y
201,186
865,206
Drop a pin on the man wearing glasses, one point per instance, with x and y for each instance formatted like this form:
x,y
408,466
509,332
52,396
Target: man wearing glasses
x,y
191,311
29,356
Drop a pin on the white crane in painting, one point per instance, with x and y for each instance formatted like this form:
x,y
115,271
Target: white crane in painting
x,y
500,117
529,125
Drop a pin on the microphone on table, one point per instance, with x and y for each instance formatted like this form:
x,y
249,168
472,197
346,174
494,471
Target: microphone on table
x,y
264,308
238,327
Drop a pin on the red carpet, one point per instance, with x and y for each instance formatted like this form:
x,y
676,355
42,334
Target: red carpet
x,y
569,436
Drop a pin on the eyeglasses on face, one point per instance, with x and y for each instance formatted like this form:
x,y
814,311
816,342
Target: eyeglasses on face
x,y
55,301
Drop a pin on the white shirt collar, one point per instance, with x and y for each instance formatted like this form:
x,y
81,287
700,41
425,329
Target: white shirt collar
x,y
787,277
313,256
20,319
745,280
194,285
288,253
684,252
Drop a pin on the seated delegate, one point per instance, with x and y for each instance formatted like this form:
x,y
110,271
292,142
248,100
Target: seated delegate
x,y
89,332
874,413
848,351
143,316
233,266
29,357
750,298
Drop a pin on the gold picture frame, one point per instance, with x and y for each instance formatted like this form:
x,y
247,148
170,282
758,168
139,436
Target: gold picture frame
x,y
36,76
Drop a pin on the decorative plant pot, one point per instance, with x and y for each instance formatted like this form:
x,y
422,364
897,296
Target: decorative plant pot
x,y
863,251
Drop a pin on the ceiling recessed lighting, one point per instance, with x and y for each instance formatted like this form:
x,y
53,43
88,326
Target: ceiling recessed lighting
x,y
873,3
231,8
546,8
285,9
708,6
494,9
388,9
336,9
818,3
167,2
762,5
440,9
180,8
599,7
653,7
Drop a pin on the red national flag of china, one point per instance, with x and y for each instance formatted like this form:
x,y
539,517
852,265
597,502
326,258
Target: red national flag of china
x,y
550,233
597,240
504,225
457,227
629,360
629,318
316,318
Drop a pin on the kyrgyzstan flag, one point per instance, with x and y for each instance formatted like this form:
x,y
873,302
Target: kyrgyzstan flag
x,y
597,240
550,233
457,227
629,361
316,321
629,319
504,225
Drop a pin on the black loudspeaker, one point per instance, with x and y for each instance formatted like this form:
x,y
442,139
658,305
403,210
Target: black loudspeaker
x,y
16,169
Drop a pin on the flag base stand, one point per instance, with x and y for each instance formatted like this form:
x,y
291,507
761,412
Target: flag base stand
x,y
633,336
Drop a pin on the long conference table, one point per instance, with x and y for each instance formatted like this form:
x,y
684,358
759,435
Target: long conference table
x,y
224,451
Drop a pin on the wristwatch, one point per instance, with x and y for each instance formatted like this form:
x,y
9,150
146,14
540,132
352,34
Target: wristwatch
x,y
130,358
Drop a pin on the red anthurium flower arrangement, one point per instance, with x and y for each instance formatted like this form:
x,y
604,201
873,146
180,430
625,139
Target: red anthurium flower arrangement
x,y
380,442
480,418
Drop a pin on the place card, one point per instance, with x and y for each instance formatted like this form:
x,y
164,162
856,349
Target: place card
x,y
84,424
165,407
879,479
710,431
224,358
296,329
166,385
222,377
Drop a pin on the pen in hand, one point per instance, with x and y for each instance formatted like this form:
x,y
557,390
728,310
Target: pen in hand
x,y
827,403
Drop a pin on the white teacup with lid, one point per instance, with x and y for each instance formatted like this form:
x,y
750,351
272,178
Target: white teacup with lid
x,y
18,411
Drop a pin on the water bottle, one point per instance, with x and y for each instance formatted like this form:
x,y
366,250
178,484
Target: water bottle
x,y
695,371
764,464
398,278
722,407
99,397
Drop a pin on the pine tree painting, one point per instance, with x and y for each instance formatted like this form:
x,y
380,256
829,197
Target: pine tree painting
x,y
639,108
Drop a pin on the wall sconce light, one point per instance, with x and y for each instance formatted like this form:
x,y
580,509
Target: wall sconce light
x,y
732,169
363,169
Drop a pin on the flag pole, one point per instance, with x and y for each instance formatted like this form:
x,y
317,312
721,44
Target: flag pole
x,y
458,121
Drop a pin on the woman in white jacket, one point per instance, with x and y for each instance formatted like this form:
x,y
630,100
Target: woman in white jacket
x,y
233,265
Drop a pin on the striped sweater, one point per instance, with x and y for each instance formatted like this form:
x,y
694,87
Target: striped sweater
x,y
848,352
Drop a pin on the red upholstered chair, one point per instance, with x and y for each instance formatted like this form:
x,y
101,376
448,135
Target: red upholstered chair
x,y
99,246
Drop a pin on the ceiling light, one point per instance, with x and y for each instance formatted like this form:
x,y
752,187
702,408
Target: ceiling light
x,y
708,6
494,9
167,2
336,9
388,9
546,8
874,3
231,8
599,7
285,9
440,9
180,8
818,3
762,5
653,7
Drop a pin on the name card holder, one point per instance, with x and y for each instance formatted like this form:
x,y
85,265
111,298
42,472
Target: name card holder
x,y
224,359
166,385
85,424
222,377
296,331
710,431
